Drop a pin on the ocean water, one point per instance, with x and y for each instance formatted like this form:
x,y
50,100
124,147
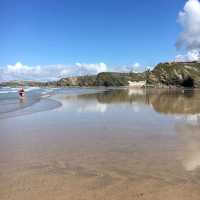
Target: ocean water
x,y
10,101
36,99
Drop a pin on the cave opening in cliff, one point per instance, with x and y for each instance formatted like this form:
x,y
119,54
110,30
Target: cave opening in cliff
x,y
188,82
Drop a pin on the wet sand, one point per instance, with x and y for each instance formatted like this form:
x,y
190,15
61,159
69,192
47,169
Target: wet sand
x,y
120,144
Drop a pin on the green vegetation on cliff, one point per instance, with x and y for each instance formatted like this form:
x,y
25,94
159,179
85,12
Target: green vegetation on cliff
x,y
117,79
186,74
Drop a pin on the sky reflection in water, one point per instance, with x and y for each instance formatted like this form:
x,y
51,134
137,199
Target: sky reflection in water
x,y
176,112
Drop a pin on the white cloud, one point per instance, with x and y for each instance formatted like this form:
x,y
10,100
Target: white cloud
x,y
193,55
136,67
20,71
91,68
189,39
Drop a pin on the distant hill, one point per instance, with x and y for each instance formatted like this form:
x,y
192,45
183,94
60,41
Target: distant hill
x,y
19,83
174,74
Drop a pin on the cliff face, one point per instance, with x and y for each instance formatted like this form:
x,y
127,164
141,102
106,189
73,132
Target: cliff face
x,y
176,74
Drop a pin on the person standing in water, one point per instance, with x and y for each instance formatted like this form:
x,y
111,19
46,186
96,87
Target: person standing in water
x,y
21,93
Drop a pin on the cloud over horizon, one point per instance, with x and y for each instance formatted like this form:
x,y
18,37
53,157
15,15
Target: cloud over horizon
x,y
20,71
189,39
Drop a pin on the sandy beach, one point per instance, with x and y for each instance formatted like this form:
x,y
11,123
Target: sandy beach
x,y
113,144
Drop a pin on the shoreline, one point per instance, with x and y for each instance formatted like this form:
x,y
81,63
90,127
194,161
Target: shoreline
x,y
44,102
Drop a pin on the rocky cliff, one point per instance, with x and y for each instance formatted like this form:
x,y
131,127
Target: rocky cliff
x,y
186,74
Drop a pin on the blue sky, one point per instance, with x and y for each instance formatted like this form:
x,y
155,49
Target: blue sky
x,y
117,33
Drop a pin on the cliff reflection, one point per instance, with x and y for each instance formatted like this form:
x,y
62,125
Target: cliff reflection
x,y
117,96
175,102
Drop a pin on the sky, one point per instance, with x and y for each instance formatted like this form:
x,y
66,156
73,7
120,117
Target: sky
x,y
50,39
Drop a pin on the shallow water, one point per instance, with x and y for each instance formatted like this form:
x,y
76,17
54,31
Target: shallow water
x,y
35,100
10,101
113,144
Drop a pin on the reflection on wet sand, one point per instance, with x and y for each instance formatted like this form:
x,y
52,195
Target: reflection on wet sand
x,y
163,101
112,145
183,105
117,96
176,102
190,138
